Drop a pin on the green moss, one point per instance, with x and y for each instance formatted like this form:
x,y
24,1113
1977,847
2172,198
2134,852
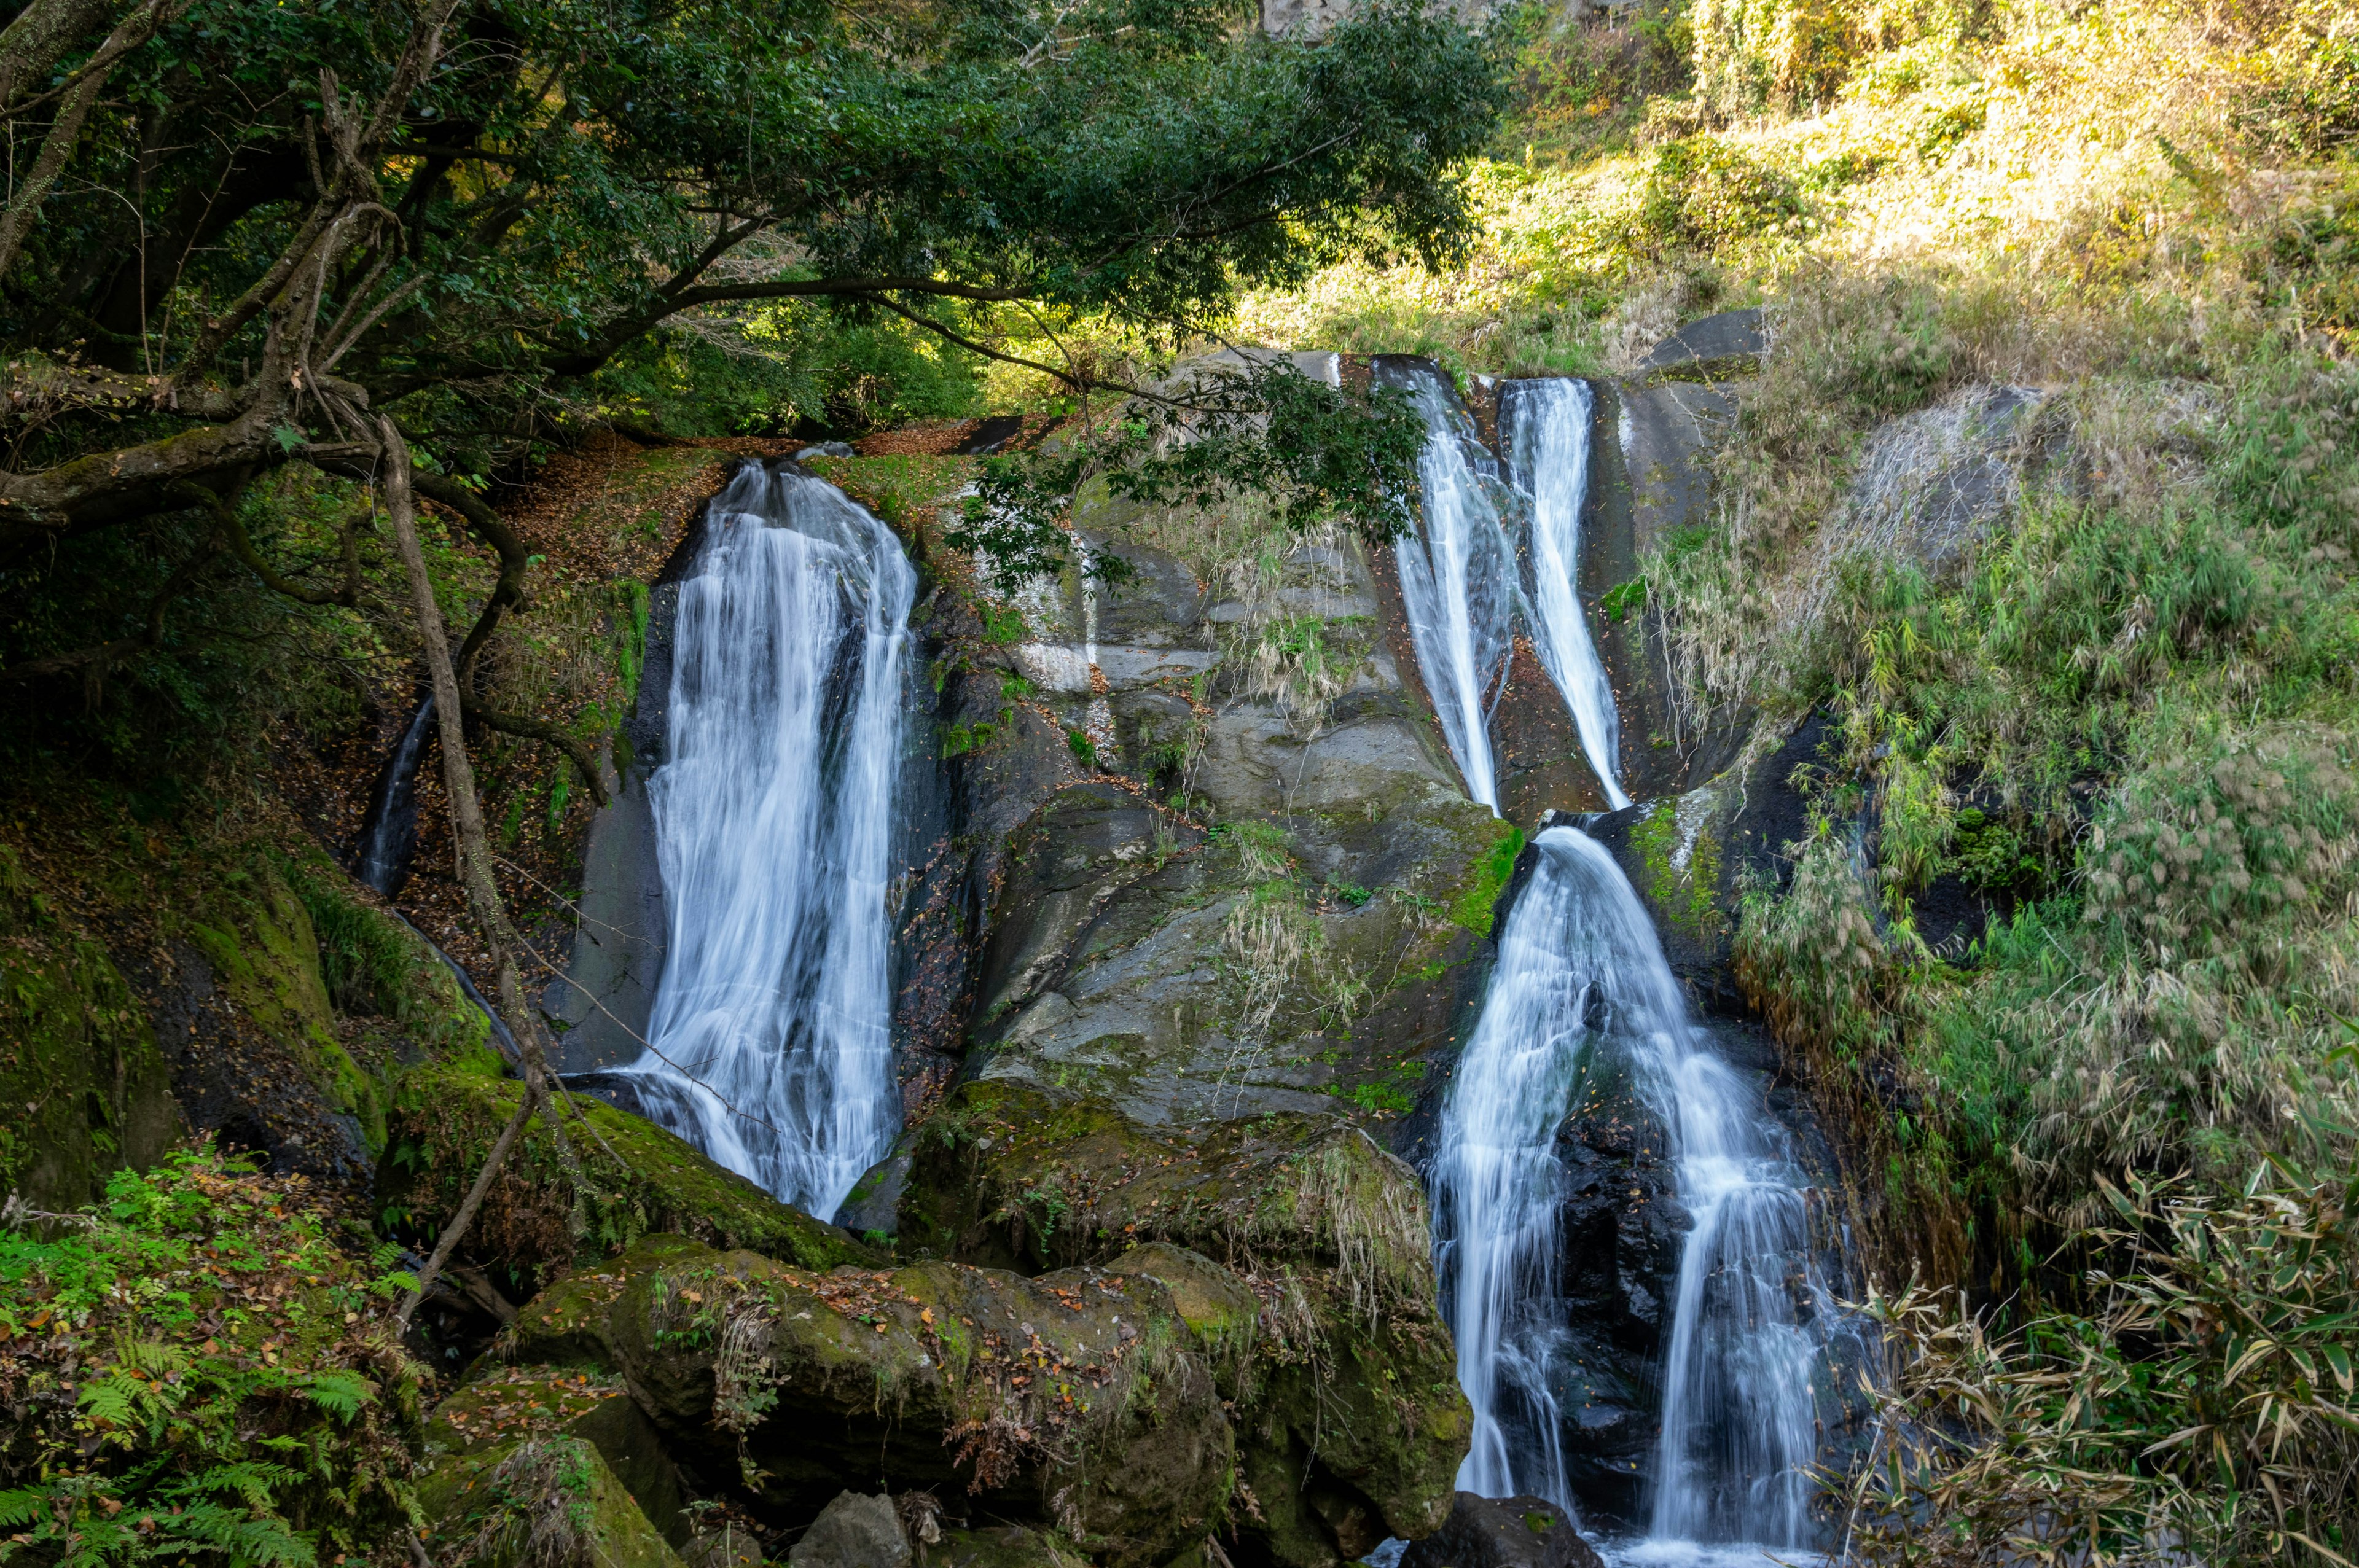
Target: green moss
x,y
1473,908
1681,862
552,1502
264,952
642,1181
85,1089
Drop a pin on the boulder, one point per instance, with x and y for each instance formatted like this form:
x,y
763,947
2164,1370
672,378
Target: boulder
x,y
547,1502
855,1531
1005,1546
549,1466
1077,1398
1349,1421
1503,1532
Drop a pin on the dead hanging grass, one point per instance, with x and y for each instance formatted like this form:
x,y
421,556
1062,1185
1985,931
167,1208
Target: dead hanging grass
x,y
543,1514
2230,1434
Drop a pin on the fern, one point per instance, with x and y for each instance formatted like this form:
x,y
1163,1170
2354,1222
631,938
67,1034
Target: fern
x,y
340,1394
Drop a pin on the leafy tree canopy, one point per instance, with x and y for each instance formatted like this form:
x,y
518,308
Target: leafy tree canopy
x,y
236,229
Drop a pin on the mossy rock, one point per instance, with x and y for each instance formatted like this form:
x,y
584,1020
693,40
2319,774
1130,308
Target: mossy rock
x,y
1005,1546
546,1502
1077,1399
483,1420
642,1181
566,1325
1347,1409
83,1090
1009,1173
264,952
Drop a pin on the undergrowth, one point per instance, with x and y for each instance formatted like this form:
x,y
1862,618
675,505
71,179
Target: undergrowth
x,y
198,1370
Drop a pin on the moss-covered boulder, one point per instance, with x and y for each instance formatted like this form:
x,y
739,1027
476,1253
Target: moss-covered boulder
x,y
1295,1250
1003,1546
534,1224
477,1429
538,1502
83,1089
1079,1400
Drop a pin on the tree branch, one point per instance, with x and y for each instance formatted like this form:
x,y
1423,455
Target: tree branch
x,y
626,330
461,1220
226,519
585,761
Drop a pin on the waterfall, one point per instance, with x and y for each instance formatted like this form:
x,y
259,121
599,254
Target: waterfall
x,y
1497,1186
389,831
1457,574
1544,432
1581,971
770,1044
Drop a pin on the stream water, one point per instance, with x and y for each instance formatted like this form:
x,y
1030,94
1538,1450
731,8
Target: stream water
x,y
1457,573
770,1046
389,840
1544,428
1580,981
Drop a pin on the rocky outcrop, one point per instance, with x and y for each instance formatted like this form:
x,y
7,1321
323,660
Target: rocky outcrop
x,y
1503,1532
1220,865
268,1003
1081,1400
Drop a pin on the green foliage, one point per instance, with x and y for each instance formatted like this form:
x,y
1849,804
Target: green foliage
x,y
1579,88
202,1377
1319,453
791,366
2207,1402
1705,193
1476,906
1622,599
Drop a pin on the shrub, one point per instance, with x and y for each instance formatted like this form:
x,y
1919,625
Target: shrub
x,y
1705,193
2203,1413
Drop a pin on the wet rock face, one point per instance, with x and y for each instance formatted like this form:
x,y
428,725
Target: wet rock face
x,y
1623,1228
1296,938
1503,1532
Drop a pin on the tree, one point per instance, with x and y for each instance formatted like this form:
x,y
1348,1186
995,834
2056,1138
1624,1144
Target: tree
x,y
246,225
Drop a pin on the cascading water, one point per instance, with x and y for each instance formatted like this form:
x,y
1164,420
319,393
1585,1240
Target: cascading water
x,y
1544,429
770,1046
1457,574
1580,972
389,831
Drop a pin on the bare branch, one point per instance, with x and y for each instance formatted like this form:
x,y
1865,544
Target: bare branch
x,y
585,762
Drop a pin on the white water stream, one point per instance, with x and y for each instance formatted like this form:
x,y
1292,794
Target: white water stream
x,y
1457,575
1580,978
1580,972
771,1038
1544,427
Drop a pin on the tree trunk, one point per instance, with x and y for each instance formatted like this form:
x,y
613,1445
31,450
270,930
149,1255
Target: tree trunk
x,y
466,811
